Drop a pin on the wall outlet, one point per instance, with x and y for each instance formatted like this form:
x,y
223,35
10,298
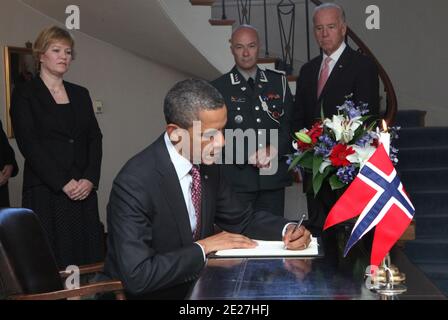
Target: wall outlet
x,y
98,106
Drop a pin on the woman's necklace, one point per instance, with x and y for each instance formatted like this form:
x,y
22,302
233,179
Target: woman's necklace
x,y
54,91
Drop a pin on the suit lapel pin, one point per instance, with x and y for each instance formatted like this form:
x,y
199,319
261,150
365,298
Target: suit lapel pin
x,y
243,89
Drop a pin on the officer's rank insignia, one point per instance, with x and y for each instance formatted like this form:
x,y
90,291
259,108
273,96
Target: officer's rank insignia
x,y
263,77
237,99
234,79
239,119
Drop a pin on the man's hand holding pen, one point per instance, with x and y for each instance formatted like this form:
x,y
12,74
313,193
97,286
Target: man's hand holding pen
x,y
297,237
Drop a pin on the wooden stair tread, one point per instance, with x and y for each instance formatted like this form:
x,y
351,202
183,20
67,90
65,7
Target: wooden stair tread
x,y
220,22
267,60
202,2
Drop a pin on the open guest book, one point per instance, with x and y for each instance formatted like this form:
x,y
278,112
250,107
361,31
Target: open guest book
x,y
271,249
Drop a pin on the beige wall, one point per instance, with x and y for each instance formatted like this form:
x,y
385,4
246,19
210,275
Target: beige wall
x,y
131,89
412,46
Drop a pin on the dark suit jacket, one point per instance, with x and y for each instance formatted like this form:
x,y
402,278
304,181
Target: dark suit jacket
x,y
150,245
353,73
53,153
6,157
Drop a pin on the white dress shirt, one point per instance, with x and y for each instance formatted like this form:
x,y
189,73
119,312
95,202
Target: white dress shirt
x,y
183,167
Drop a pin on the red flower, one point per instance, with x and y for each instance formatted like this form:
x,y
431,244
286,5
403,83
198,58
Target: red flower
x,y
339,153
302,146
314,133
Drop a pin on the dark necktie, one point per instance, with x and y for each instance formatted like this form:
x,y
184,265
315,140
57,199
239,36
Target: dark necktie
x,y
251,83
196,199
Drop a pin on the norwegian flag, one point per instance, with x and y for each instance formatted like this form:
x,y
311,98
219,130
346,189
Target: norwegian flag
x,y
378,196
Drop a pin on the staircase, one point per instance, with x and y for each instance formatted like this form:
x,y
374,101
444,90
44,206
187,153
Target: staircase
x,y
423,168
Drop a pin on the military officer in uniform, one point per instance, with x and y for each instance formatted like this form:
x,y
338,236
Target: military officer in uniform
x,y
259,101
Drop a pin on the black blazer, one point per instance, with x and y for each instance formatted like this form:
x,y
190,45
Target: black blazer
x,y
7,155
54,154
150,245
353,73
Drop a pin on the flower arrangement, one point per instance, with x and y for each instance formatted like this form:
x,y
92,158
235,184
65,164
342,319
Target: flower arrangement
x,y
336,148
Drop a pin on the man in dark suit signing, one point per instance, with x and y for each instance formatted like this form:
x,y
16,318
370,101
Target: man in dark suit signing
x,y
166,199
324,83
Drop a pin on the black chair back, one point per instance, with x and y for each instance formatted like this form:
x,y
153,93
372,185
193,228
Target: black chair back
x,y
26,254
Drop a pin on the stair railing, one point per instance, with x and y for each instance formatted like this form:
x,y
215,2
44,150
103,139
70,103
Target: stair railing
x,y
244,7
286,13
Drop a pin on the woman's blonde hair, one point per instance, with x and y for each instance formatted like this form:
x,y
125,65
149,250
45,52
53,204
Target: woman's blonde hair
x,y
49,35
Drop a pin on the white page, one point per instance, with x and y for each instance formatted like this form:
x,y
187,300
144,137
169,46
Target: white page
x,y
271,249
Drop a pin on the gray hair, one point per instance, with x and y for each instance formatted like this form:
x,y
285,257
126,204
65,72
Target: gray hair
x,y
331,5
184,101
245,26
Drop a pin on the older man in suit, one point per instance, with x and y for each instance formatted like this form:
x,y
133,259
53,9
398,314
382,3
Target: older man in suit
x,y
323,84
8,167
166,200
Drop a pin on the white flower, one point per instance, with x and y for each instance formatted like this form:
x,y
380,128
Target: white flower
x,y
343,128
361,155
323,165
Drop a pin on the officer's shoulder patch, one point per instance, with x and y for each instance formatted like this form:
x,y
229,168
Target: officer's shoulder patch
x,y
275,71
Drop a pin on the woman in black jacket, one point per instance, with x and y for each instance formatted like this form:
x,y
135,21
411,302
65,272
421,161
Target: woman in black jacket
x,y
59,137
8,167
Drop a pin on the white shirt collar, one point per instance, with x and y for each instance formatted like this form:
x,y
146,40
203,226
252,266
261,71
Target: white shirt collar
x,y
337,54
181,164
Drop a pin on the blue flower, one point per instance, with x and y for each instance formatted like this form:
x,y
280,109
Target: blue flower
x,y
394,132
322,150
346,174
393,155
326,139
325,146
365,139
353,111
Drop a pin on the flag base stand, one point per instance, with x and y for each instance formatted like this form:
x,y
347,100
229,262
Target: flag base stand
x,y
388,280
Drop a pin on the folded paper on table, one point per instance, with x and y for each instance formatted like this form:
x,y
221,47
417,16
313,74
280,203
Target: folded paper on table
x,y
271,249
